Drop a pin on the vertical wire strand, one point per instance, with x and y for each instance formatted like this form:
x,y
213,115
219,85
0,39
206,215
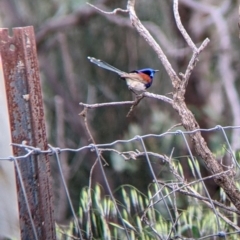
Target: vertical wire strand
x,y
25,197
109,189
155,179
229,146
200,177
67,192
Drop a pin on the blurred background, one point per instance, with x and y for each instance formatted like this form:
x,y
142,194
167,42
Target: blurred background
x,y
67,32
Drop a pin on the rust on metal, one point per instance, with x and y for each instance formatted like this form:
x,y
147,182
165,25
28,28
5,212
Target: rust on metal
x,y
21,74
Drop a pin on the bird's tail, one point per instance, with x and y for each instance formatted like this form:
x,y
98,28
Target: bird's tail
x,y
105,65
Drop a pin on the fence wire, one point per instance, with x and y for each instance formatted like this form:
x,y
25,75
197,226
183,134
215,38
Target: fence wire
x,y
163,194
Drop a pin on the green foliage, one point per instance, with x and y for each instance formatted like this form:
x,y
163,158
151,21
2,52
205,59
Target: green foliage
x,y
101,220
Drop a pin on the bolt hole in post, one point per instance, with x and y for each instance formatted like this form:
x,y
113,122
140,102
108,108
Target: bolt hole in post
x,y
12,47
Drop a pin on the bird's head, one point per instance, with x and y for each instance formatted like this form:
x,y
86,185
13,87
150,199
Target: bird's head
x,y
147,75
149,71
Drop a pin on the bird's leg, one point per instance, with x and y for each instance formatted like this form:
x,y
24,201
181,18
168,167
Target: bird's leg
x,y
139,97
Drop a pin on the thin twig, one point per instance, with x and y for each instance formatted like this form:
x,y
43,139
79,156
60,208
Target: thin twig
x,y
115,11
136,102
192,63
174,126
84,115
181,28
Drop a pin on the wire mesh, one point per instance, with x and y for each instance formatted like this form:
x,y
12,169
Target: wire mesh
x,y
160,216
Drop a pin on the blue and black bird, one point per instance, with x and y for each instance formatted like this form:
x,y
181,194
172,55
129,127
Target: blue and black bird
x,y
137,81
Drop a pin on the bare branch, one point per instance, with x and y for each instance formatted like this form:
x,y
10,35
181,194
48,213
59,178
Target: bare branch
x,y
150,40
181,28
97,105
159,97
152,27
145,94
226,72
196,51
192,63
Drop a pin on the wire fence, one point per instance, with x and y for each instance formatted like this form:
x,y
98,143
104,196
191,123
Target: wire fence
x,y
159,214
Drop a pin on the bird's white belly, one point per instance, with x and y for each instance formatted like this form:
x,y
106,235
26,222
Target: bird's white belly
x,y
135,85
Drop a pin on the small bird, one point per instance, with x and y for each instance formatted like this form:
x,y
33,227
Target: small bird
x,y
137,81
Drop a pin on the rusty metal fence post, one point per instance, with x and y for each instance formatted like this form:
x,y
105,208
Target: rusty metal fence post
x,y
25,105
